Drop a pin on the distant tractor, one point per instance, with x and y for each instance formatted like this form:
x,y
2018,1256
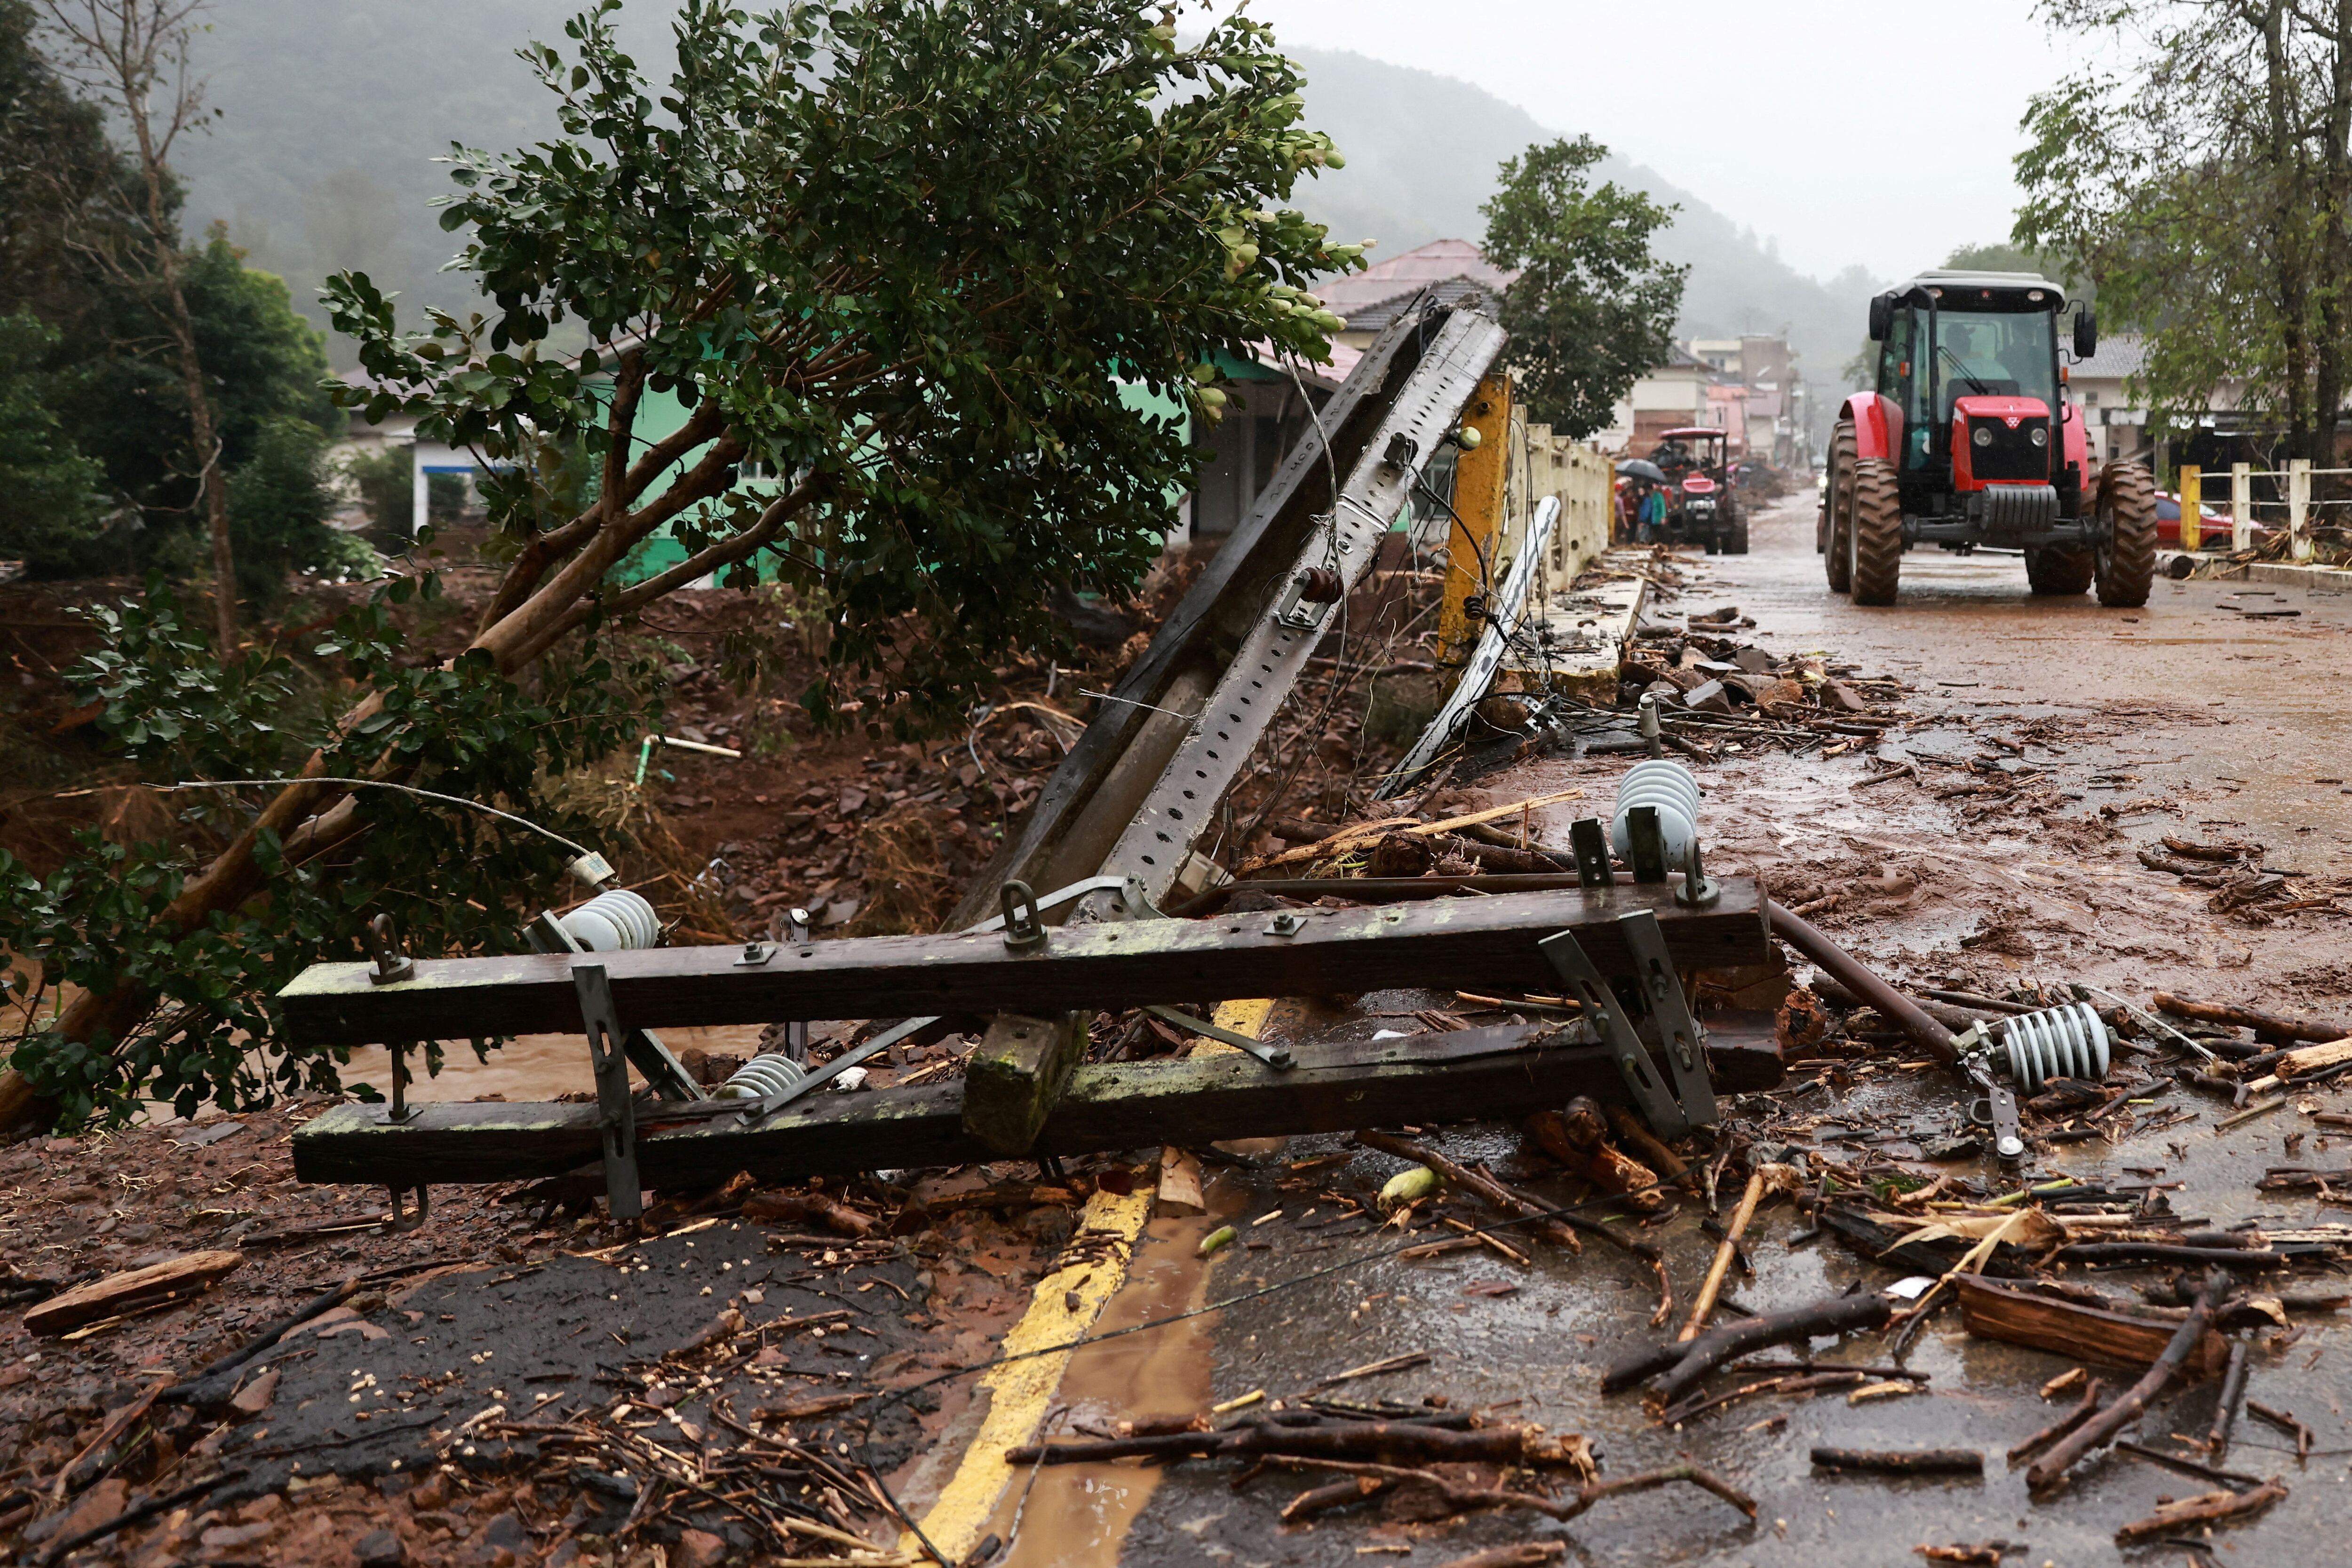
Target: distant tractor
x,y
1968,440
1701,505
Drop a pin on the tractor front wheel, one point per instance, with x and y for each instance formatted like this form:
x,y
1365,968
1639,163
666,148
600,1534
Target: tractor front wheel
x,y
2058,571
2126,552
1875,533
1837,509
1735,534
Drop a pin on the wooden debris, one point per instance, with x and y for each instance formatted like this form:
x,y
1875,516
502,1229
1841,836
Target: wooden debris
x,y
2275,1026
796,1209
2206,1511
185,1275
1464,1497
2285,1422
1577,1136
2083,1410
1902,1462
1526,1554
2051,1468
2186,1464
2104,1338
1724,1252
1485,1187
1793,1383
1338,1494
1674,1367
1635,1134
2225,1410
2307,1062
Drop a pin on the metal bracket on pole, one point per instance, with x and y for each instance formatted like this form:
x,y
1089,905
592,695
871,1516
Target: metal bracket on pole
x,y
617,1117
1684,1041
401,1109
1277,1056
1645,844
796,924
664,1071
1589,843
1615,1030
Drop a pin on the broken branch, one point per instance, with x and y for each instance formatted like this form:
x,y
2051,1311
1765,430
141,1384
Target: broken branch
x,y
2101,1428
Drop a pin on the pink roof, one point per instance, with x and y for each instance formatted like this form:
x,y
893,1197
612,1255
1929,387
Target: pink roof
x,y
1432,263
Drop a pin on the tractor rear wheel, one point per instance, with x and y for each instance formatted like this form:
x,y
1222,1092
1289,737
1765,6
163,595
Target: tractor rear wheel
x,y
2125,554
1838,507
2058,571
1875,533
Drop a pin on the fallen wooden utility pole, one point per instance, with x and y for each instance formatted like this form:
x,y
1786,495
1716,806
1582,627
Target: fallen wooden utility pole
x,y
1448,942
1458,1075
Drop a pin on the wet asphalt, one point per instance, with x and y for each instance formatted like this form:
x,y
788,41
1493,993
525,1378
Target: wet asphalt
x,y
2237,723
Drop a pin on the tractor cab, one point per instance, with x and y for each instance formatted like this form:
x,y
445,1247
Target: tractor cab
x,y
1968,440
1968,372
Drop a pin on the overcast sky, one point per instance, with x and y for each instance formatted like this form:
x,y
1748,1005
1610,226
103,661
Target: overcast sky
x,y
1878,134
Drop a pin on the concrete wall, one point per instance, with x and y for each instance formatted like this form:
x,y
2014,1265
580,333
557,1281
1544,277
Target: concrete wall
x,y
1576,472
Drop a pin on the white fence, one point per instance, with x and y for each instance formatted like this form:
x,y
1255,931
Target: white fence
x,y
2298,506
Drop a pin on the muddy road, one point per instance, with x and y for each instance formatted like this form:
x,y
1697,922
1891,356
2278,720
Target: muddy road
x,y
2052,741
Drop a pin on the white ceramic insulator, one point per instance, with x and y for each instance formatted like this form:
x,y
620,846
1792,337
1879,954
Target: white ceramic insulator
x,y
613,921
770,1073
1669,787
2056,1042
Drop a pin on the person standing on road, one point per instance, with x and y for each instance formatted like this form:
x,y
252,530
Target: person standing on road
x,y
1651,516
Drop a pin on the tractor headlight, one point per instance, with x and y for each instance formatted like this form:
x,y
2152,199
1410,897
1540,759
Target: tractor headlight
x,y
1983,437
2040,437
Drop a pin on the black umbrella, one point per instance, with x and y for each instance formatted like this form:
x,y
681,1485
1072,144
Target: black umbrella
x,y
1638,469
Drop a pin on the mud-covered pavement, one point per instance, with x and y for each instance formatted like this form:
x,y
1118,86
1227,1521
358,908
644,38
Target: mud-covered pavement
x,y
2185,717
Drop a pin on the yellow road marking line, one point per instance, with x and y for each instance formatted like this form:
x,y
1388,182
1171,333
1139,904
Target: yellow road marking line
x,y
1021,1393
1247,1016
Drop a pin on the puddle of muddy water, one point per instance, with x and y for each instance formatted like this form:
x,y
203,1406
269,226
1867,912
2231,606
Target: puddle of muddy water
x,y
1078,1516
530,1066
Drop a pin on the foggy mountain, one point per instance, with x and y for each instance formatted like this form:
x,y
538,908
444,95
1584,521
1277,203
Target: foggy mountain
x,y
332,114
1422,151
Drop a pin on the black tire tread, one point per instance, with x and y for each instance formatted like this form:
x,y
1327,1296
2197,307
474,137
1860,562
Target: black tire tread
x,y
1842,445
2059,572
1877,532
2127,500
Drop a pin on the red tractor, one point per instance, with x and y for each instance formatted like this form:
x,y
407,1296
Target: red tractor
x,y
1969,440
1701,506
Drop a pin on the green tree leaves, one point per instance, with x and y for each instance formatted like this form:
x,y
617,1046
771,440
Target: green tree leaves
x,y
907,253
52,500
2207,191
1592,308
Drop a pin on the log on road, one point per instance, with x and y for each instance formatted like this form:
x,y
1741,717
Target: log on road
x,y
184,1275
1457,1076
1479,944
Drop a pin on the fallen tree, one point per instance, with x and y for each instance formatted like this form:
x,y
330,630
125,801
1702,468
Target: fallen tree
x,y
956,278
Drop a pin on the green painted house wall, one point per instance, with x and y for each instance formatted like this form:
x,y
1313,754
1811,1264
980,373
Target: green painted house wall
x,y
661,415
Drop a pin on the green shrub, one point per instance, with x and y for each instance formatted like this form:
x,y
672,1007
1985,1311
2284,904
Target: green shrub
x,y
53,508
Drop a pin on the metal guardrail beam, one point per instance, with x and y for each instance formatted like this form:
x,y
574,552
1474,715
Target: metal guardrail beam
x,y
1274,654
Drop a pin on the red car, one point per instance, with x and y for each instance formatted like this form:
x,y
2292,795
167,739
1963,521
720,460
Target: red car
x,y
2213,523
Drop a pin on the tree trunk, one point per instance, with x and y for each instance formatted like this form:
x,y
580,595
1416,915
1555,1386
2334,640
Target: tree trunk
x,y
313,818
2291,257
202,434
2336,179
